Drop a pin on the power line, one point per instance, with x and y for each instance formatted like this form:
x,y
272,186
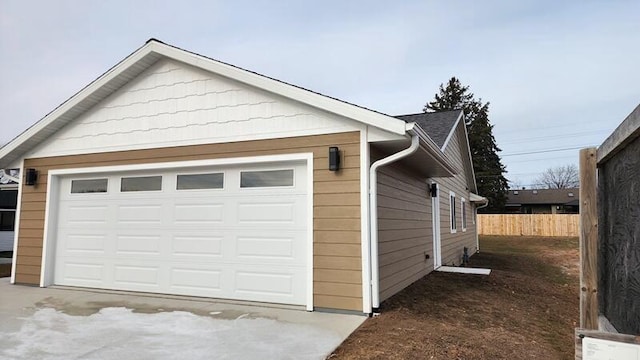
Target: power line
x,y
553,137
547,151
545,159
547,127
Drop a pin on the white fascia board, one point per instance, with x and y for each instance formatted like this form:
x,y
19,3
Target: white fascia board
x,y
473,197
46,121
453,131
323,102
472,174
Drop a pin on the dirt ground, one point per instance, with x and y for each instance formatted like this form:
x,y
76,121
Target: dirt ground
x,y
5,269
526,309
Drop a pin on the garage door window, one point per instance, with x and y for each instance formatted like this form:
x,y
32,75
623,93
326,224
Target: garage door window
x,y
89,186
200,181
269,178
141,183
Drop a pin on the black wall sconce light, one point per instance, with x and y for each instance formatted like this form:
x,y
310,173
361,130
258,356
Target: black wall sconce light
x,y
334,158
433,189
30,177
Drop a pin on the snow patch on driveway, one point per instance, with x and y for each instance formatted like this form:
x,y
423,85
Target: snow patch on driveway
x,y
119,333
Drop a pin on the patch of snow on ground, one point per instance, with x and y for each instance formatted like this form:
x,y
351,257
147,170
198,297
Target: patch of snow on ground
x,y
119,334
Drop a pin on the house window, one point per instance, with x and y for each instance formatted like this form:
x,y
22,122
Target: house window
x,y
89,186
463,206
200,181
452,211
141,183
269,178
7,220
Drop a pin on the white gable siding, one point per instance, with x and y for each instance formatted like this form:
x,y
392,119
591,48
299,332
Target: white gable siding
x,y
174,104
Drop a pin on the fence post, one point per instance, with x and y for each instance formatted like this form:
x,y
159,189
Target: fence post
x,y
588,240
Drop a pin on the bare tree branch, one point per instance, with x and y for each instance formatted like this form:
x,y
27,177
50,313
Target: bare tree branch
x,y
561,177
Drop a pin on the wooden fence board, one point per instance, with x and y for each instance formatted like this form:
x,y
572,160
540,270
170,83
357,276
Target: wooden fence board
x,y
529,224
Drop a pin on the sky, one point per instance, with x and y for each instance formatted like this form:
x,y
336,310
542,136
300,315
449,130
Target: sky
x,y
559,75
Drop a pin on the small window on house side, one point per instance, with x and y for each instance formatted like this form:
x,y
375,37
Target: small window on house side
x,y
141,183
452,211
89,186
200,181
463,205
267,178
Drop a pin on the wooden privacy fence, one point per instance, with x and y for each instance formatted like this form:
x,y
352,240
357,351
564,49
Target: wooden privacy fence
x,y
610,246
529,224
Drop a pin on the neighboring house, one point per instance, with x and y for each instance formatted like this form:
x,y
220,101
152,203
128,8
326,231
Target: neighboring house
x,y
544,201
8,200
175,173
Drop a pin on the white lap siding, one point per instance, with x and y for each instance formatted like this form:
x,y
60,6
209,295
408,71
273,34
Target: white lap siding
x,y
404,229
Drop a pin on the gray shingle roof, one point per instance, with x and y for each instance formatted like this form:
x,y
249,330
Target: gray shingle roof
x,y
543,196
437,125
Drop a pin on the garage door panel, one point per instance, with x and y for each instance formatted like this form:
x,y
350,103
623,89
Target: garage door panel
x,y
194,213
144,215
131,277
279,248
87,214
197,246
271,284
263,212
235,243
82,273
82,244
197,281
138,244
275,284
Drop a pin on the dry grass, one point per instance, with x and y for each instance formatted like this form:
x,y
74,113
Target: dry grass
x,y
526,309
5,270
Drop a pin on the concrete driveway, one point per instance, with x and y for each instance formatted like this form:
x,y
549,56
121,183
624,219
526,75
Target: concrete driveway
x,y
64,323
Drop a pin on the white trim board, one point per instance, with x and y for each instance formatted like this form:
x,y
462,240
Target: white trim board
x,y
464,270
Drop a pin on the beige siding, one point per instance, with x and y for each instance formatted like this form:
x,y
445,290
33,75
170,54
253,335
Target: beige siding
x,y
337,254
404,229
453,243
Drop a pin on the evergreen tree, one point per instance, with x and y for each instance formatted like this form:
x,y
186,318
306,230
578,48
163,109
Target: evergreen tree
x,y
487,165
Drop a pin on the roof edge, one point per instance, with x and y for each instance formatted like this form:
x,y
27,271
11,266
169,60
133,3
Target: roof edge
x,y
309,97
16,147
628,130
431,147
48,119
452,131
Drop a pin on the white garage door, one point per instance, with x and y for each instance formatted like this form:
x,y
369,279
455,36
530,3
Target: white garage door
x,y
232,232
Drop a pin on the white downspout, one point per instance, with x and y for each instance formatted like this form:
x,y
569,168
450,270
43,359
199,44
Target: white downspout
x,y
478,236
373,215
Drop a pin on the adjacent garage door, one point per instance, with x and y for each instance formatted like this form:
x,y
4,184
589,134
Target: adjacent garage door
x,y
232,232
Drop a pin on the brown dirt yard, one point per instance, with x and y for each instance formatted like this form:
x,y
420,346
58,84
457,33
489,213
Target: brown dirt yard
x,y
5,269
526,309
